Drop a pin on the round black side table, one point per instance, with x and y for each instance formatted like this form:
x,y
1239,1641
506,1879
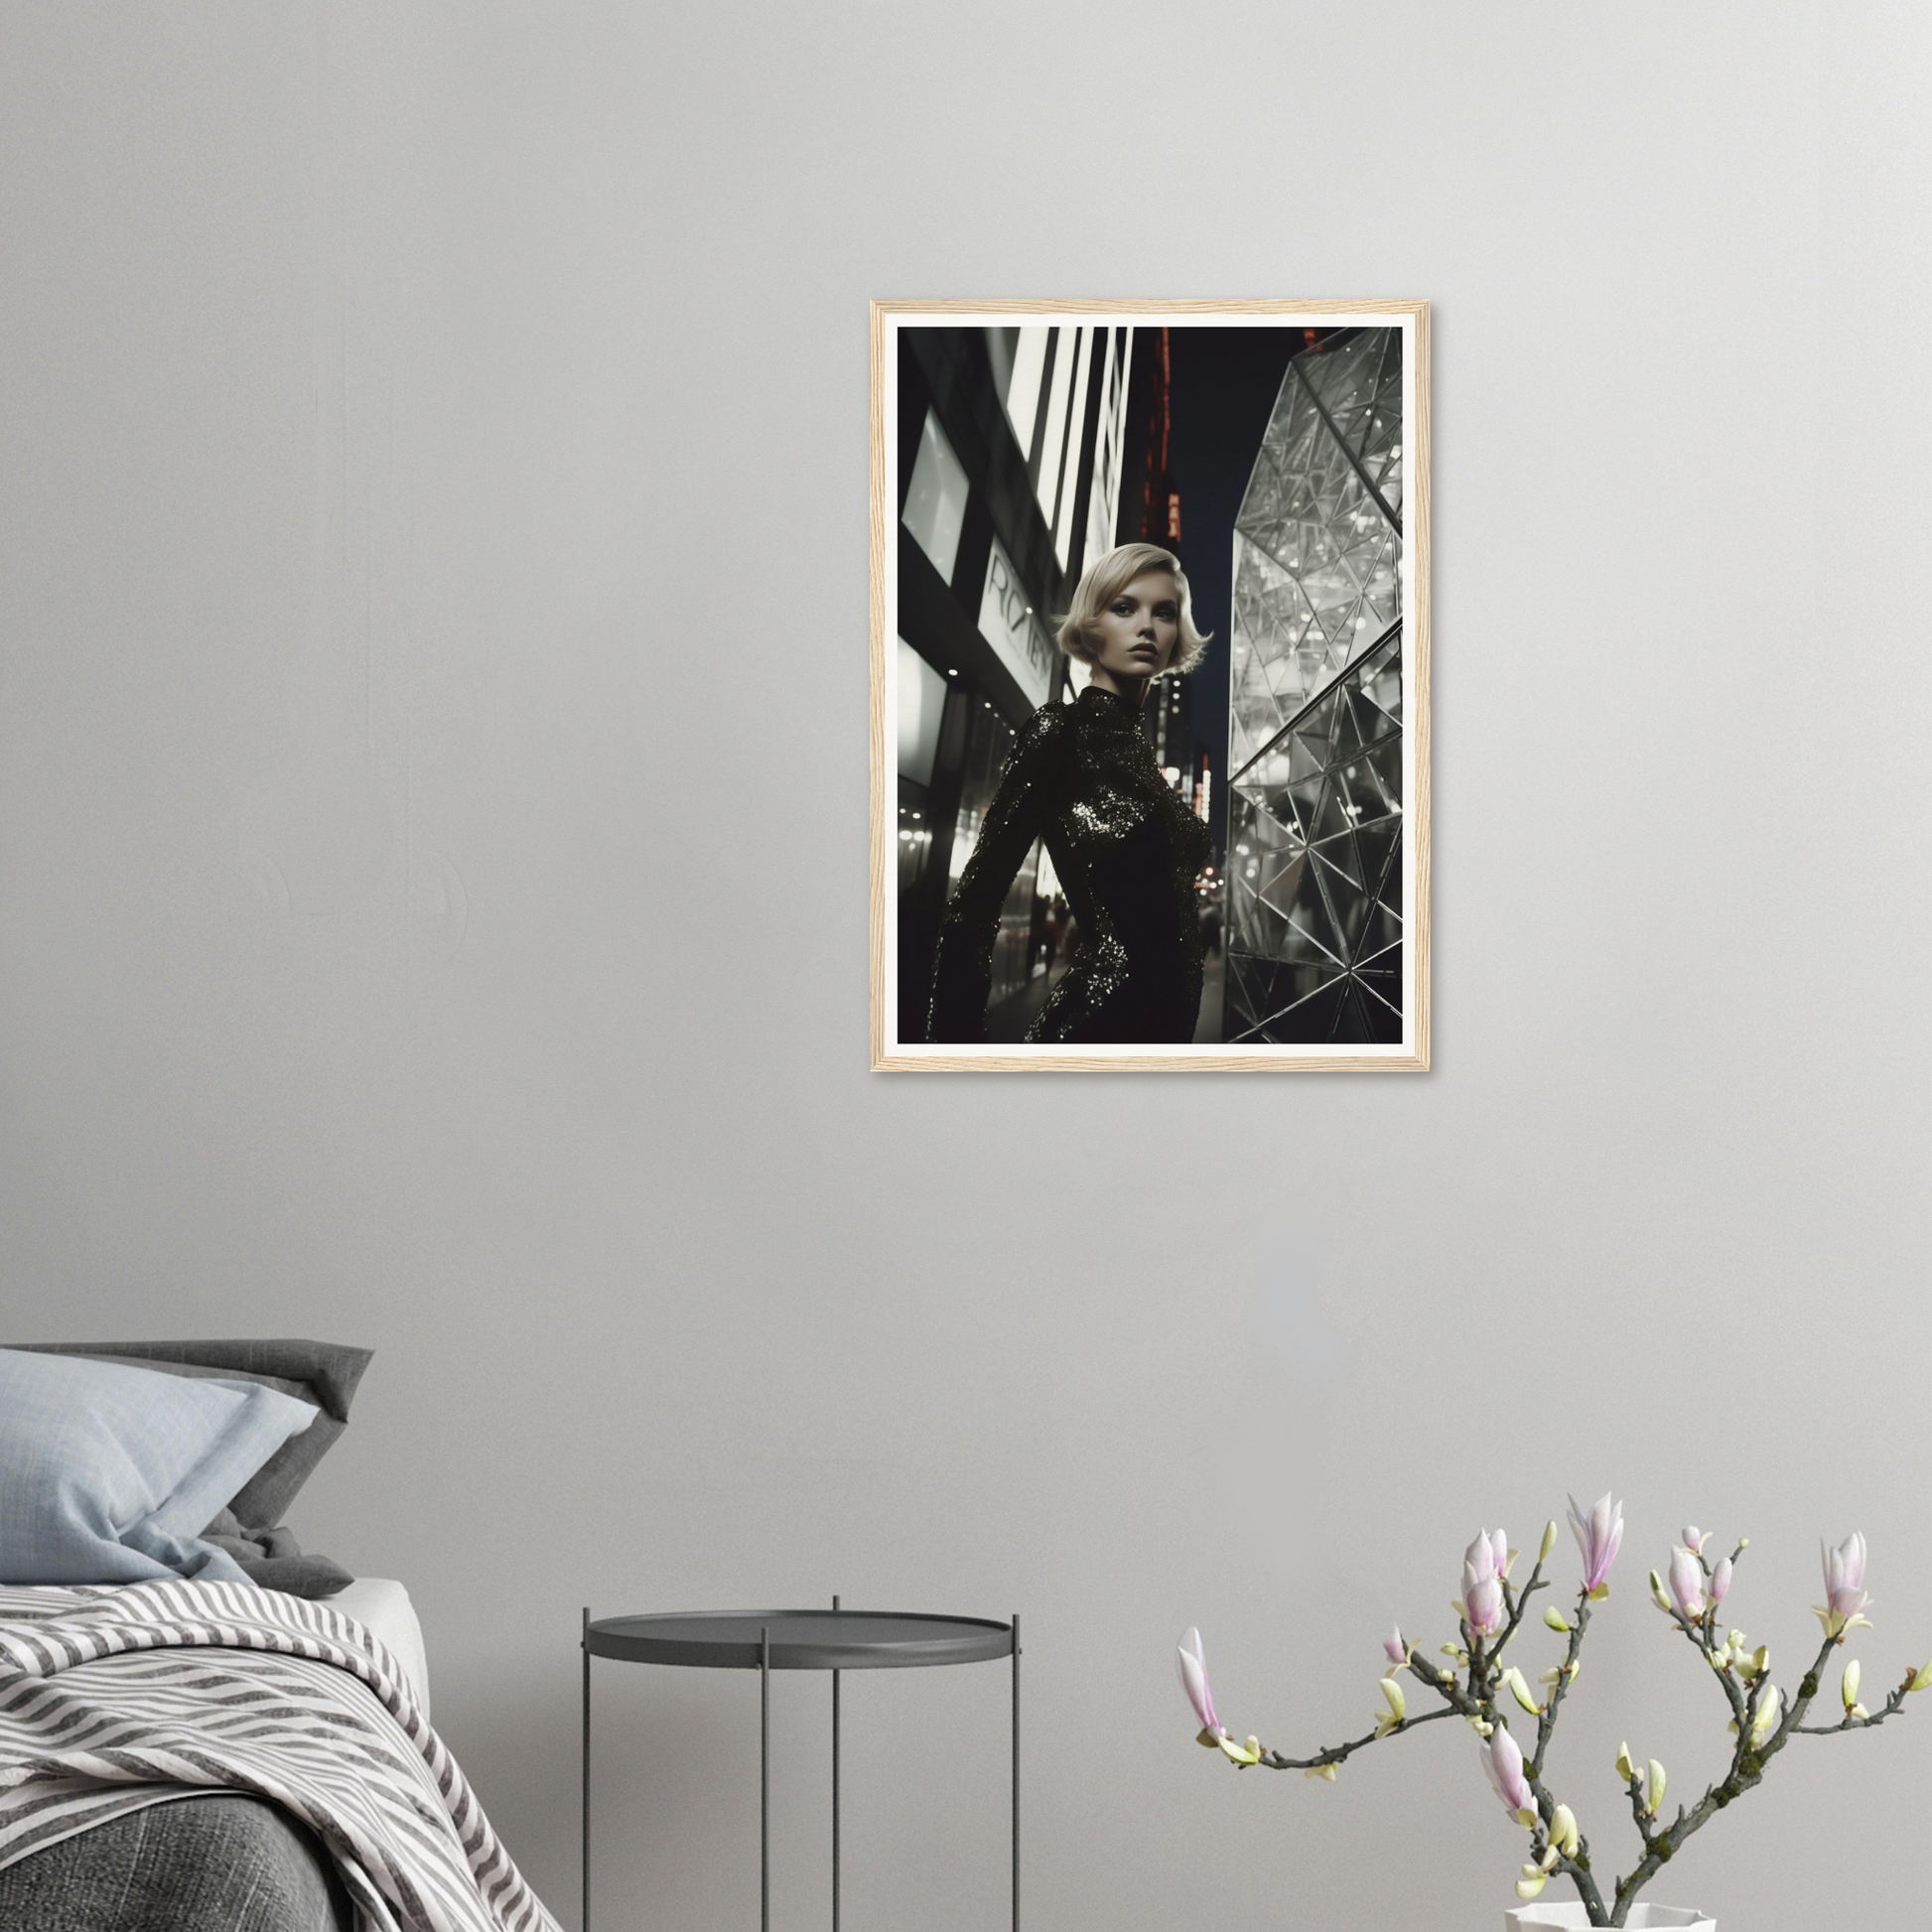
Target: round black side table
x,y
767,1640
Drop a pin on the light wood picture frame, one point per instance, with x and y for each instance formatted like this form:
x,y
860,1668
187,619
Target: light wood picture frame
x,y
1281,450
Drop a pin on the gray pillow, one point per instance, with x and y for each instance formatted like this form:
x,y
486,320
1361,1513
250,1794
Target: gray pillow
x,y
317,1372
275,1559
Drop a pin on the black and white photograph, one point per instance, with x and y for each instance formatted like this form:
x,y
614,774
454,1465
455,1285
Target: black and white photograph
x,y
1153,667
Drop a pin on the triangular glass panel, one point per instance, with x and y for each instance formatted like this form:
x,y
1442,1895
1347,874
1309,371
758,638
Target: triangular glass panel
x,y
1383,984
1310,1020
1377,839
1331,820
1342,856
1311,938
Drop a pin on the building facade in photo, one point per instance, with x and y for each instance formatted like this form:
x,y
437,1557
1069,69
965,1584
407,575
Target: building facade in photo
x,y
1011,446
1314,943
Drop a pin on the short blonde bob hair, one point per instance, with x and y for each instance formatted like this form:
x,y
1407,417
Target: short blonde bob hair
x,y
1105,578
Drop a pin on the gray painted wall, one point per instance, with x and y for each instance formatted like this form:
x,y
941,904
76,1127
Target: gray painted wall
x,y
433,821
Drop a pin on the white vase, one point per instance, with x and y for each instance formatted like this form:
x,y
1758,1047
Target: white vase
x,y
1574,1918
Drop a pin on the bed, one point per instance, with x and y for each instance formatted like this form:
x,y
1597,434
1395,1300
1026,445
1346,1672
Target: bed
x,y
214,1862
183,1746
217,1864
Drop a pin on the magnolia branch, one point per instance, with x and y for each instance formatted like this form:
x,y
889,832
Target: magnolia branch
x,y
1480,1689
1747,1768
1339,1753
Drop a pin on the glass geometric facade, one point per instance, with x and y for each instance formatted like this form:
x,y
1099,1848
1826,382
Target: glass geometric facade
x,y
1315,735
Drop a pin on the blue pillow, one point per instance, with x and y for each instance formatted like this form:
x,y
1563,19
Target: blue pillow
x,y
108,1473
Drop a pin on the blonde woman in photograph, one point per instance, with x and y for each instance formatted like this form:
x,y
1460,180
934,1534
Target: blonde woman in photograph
x,y
1126,848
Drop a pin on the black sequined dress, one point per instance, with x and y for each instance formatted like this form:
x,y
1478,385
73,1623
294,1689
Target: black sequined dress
x,y
1128,851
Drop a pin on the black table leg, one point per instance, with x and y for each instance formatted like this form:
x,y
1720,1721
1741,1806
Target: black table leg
x,y
835,1793
765,1781
1015,1772
586,1769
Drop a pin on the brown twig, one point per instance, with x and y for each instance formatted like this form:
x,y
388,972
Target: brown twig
x,y
1747,1766
1338,1753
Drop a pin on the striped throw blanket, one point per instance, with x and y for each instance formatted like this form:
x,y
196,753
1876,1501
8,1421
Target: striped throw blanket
x,y
112,1698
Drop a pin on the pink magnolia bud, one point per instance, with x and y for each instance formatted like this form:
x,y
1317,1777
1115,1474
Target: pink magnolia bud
x,y
1599,1536
1482,1604
1686,1583
1721,1581
1693,1539
1844,1590
1482,1590
1396,1650
1194,1680
1502,1765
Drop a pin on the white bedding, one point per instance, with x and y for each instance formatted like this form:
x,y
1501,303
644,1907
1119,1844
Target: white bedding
x,y
382,1606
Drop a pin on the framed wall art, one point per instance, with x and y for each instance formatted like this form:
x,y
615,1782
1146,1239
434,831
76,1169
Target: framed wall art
x,y
1150,685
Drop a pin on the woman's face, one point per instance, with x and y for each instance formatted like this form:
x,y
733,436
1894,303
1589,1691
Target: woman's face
x,y
1135,635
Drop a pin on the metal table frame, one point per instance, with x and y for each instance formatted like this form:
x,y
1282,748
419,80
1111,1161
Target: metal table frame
x,y
619,1639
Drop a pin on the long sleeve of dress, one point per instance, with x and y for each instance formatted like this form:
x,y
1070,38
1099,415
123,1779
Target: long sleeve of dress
x,y
1032,786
